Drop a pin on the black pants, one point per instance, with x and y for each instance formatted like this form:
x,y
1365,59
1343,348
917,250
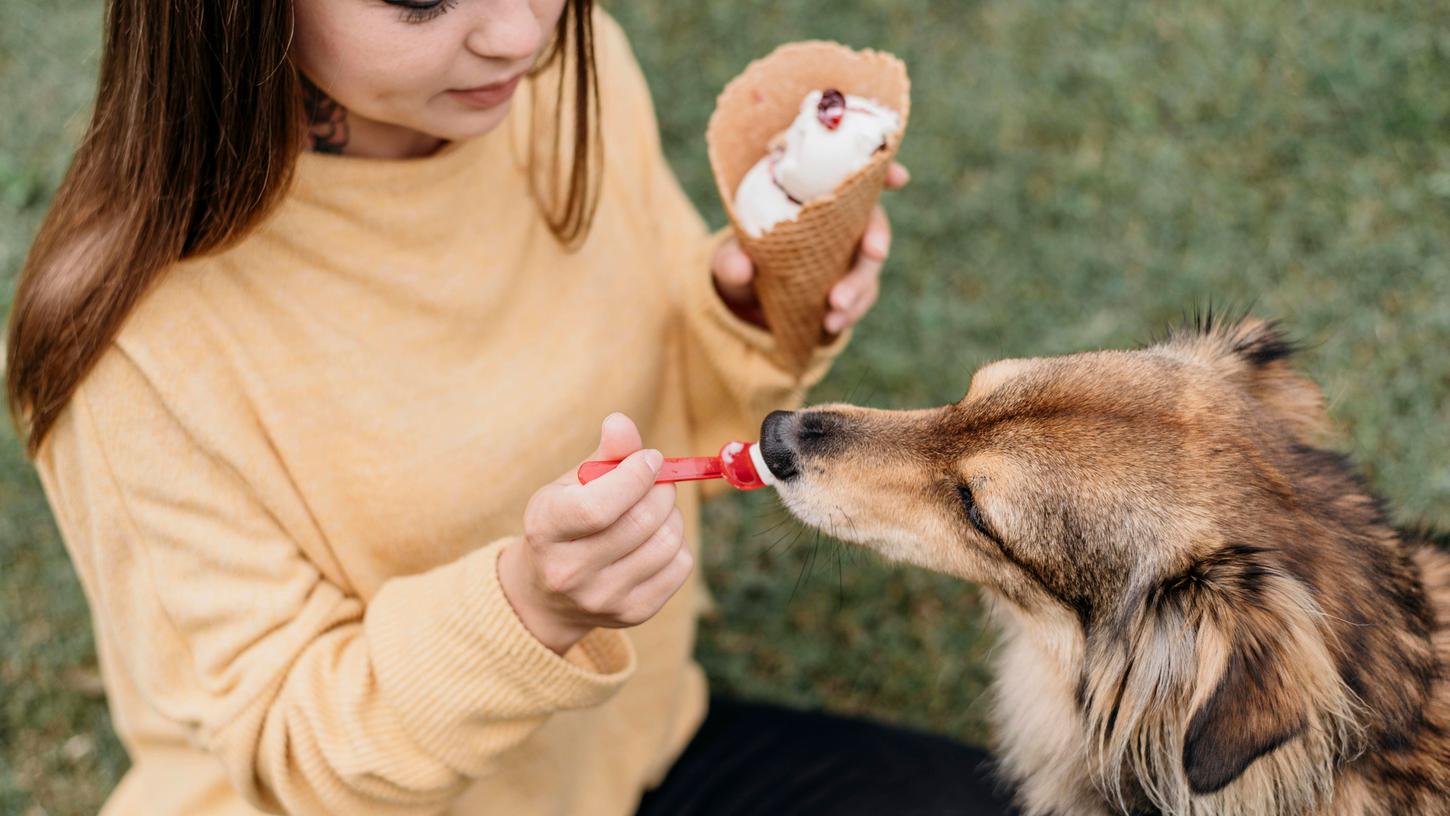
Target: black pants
x,y
757,759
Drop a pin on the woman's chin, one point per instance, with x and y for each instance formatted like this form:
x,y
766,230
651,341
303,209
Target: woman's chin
x,y
467,123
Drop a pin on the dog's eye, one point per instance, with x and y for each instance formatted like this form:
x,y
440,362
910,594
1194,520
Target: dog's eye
x,y
974,513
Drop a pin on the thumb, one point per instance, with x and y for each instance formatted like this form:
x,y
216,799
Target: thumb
x,y
618,438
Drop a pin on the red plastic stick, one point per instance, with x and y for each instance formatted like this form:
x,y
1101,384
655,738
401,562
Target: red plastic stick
x,y
735,464
684,469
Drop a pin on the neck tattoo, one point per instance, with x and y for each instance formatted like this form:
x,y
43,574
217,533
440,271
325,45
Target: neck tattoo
x,y
327,120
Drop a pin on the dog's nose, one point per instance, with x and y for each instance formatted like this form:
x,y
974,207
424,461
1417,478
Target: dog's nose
x,y
778,446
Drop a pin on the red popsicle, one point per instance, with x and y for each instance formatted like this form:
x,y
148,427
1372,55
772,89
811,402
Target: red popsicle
x,y
739,463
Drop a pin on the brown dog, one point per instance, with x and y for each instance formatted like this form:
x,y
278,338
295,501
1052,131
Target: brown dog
x,y
1202,611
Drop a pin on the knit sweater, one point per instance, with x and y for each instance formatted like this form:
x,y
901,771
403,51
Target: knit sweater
x,y
286,483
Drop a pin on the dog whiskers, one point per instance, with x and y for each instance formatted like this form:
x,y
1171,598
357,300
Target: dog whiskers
x,y
855,535
840,581
798,531
859,380
772,528
800,575
836,545
776,511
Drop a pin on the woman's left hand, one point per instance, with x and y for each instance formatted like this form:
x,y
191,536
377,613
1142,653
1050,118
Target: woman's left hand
x,y
850,299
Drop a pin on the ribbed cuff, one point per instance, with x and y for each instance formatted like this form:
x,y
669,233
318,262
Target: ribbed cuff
x,y
465,674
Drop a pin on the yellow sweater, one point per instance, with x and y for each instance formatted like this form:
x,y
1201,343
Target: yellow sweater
x,y
286,484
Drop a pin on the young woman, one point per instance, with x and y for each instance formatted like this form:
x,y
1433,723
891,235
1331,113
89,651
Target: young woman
x,y
333,293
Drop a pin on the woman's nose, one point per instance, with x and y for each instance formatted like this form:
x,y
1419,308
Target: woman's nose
x,y
507,30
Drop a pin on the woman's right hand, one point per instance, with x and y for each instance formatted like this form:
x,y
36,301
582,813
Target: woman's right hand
x,y
606,554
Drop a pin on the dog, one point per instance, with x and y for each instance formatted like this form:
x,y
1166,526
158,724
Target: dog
x,y
1202,608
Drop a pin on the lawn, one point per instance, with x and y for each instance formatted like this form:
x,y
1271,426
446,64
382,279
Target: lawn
x,y
1084,173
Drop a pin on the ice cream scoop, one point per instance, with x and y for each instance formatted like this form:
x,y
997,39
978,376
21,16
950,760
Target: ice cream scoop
x,y
739,463
833,136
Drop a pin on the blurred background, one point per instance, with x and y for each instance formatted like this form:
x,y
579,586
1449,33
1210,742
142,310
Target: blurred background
x,y
1085,172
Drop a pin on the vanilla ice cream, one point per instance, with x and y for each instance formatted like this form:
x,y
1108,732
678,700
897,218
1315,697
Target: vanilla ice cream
x,y
833,136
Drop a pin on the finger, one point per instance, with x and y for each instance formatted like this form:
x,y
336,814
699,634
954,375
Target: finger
x,y
844,294
865,302
651,596
639,523
848,291
865,276
604,591
633,528
876,241
840,319
897,176
577,511
732,267
618,438
634,567
854,295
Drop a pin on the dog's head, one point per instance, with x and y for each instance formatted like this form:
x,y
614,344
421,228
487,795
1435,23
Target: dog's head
x,y
1060,480
1170,499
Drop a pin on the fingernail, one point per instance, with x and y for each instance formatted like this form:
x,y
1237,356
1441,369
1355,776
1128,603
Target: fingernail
x,y
833,323
879,244
654,459
844,298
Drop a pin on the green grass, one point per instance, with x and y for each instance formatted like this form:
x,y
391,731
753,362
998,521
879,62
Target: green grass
x,y
1085,171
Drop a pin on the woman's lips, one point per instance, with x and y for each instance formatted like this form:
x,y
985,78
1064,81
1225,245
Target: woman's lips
x,y
487,96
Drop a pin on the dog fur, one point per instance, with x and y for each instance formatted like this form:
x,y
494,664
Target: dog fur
x,y
1203,610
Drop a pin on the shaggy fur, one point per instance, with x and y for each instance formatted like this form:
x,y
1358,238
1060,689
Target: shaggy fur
x,y
1204,611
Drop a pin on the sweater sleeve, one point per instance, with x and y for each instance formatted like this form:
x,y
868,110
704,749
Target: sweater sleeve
x,y
732,376
314,701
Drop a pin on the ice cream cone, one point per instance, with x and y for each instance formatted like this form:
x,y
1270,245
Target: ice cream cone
x,y
797,262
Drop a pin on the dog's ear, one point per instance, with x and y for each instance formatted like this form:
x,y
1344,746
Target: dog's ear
x,y
1258,355
1275,665
1220,675
1267,356
1253,710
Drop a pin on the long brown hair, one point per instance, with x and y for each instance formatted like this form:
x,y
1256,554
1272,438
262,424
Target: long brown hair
x,y
196,129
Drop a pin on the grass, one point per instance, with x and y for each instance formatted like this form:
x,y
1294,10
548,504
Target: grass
x,y
1084,172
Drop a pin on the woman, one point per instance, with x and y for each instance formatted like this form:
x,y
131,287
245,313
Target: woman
x,y
333,293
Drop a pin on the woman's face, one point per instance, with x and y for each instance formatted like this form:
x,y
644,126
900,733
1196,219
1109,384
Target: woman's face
x,y
410,72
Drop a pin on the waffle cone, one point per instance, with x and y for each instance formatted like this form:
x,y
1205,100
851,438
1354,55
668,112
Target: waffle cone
x,y
797,262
